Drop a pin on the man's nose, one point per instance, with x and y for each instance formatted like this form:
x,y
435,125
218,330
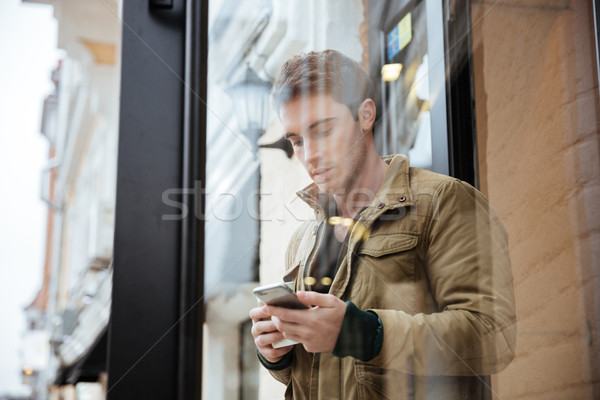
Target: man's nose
x,y
312,151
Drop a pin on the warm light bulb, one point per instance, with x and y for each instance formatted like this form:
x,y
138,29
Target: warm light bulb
x,y
391,72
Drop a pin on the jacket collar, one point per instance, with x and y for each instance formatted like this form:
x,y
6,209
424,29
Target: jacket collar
x,y
394,192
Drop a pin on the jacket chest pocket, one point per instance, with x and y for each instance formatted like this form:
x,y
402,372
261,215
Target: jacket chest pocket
x,y
385,272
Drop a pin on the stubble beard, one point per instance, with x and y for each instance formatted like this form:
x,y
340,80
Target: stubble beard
x,y
352,166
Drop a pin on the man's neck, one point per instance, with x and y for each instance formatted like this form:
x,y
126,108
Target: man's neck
x,y
363,190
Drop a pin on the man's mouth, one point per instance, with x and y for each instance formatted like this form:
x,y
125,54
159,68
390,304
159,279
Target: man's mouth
x,y
321,174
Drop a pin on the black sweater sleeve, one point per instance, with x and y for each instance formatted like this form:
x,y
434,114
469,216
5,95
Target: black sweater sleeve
x,y
361,336
285,361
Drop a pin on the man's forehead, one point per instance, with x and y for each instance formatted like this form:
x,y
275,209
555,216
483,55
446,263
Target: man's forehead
x,y
305,110
309,101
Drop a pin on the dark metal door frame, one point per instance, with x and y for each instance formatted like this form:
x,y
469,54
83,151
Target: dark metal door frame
x,y
460,98
191,303
155,339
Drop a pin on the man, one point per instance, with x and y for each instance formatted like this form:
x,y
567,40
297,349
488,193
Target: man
x,y
417,300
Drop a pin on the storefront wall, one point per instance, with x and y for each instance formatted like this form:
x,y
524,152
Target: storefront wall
x,y
536,97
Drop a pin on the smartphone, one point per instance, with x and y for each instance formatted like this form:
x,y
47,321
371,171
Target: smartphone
x,y
280,295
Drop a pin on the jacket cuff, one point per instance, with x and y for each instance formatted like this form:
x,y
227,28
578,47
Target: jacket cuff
x,y
361,336
285,362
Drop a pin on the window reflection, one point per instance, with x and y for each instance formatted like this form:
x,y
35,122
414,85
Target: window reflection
x,y
517,106
406,123
257,39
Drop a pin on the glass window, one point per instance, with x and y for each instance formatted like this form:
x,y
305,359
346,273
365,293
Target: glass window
x,y
248,233
523,78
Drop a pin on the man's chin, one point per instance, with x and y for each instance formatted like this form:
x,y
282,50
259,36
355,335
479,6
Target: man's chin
x,y
326,187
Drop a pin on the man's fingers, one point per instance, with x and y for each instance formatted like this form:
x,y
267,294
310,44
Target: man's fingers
x,y
290,330
258,313
274,355
288,314
317,299
317,328
261,327
279,326
266,339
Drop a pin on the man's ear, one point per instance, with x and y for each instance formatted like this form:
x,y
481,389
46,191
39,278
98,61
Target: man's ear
x,y
366,114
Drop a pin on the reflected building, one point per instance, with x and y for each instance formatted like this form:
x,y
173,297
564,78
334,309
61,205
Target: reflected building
x,y
470,89
80,118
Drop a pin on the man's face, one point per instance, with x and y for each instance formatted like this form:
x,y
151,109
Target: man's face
x,y
327,140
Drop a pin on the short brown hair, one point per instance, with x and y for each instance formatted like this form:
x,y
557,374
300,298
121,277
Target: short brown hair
x,y
324,72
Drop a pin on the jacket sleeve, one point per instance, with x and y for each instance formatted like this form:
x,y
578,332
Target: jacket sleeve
x,y
284,375
468,268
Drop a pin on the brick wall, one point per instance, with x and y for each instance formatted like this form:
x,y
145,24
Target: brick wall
x,y
536,93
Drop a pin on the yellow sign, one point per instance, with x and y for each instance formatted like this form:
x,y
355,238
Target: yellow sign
x,y
404,31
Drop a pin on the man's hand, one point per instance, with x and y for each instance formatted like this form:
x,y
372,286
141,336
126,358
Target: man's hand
x,y
317,328
265,334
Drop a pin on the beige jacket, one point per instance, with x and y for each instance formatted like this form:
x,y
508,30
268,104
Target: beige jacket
x,y
436,270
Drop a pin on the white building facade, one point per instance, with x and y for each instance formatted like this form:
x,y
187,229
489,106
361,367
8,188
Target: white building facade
x,y
80,121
